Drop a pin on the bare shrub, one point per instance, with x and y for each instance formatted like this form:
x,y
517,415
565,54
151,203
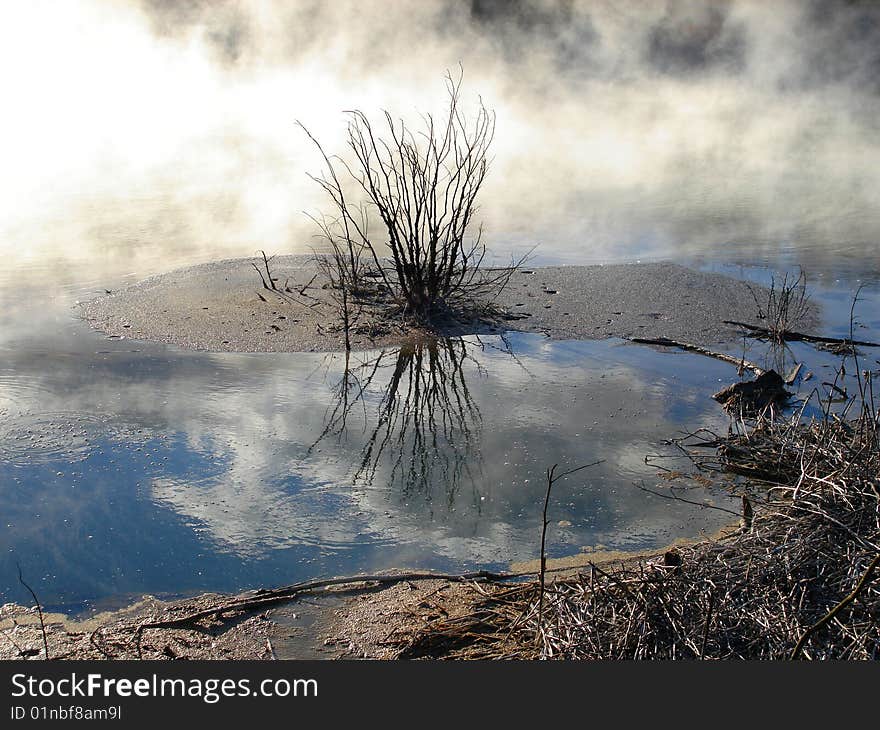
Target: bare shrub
x,y
422,185
785,305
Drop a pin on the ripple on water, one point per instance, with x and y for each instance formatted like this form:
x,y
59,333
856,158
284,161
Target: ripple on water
x,y
38,438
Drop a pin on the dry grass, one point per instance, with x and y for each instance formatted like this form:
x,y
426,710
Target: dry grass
x,y
797,578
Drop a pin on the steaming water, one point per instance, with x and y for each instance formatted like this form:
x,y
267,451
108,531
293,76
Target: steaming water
x,y
139,137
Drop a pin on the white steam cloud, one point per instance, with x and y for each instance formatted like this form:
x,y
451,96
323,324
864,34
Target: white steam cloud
x,y
138,133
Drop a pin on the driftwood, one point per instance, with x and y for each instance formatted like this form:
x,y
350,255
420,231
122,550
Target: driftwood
x,y
749,397
790,336
741,363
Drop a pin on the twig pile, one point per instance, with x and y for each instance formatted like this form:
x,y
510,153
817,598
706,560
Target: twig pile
x,y
798,579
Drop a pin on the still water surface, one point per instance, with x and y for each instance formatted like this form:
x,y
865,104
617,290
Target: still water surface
x,y
129,467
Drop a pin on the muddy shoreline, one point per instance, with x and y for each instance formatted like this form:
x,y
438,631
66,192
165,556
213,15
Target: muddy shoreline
x,y
353,621
223,306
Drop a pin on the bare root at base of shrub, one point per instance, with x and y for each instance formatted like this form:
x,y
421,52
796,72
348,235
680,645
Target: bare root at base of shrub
x,y
422,186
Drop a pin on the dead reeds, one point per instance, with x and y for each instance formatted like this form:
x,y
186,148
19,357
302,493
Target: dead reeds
x,y
797,579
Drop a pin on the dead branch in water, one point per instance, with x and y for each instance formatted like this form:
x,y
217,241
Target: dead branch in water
x,y
741,363
678,498
790,336
751,397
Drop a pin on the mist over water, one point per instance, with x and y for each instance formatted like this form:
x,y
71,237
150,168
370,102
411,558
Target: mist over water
x,y
139,131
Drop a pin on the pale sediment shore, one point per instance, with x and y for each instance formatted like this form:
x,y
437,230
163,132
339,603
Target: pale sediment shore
x,y
223,306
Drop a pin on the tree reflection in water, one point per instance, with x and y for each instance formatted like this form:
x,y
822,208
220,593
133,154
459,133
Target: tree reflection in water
x,y
417,415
